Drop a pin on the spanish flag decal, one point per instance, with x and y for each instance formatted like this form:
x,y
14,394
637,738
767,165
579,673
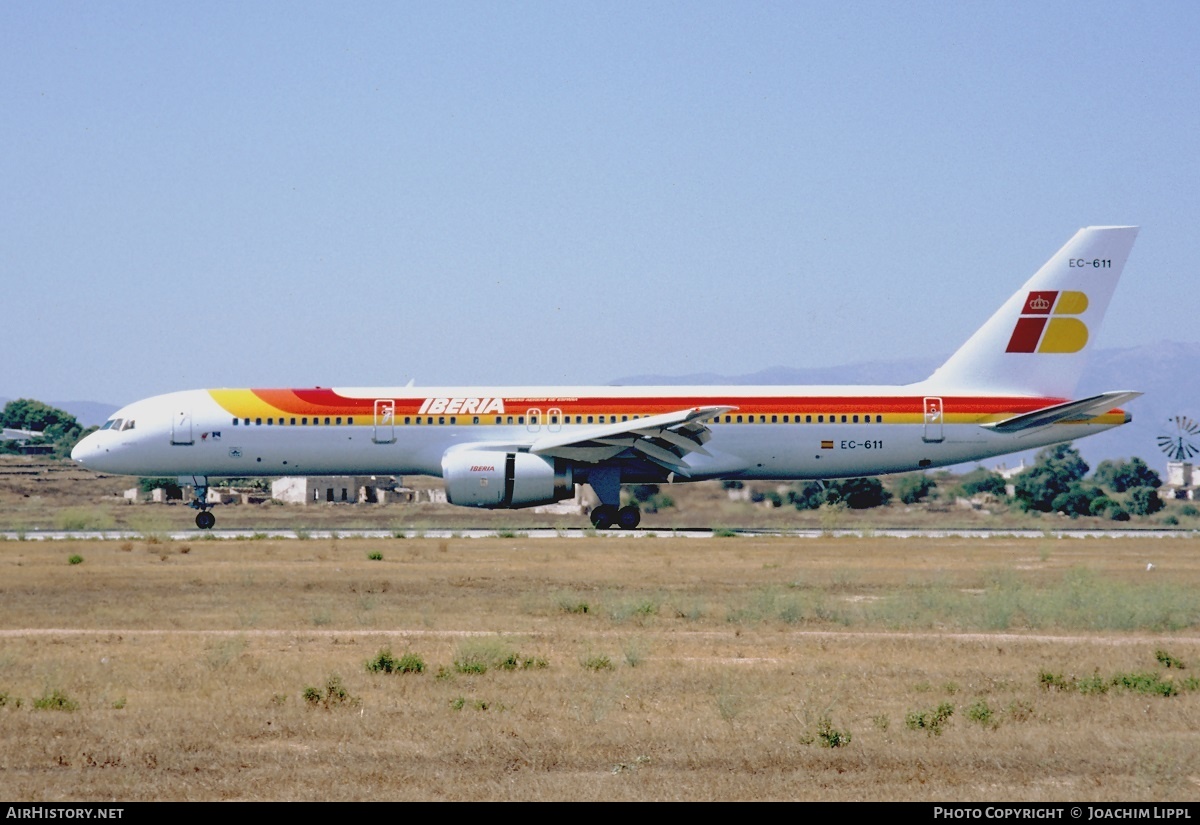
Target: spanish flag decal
x,y
826,445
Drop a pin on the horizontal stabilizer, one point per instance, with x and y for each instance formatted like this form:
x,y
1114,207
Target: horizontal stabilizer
x,y
1086,408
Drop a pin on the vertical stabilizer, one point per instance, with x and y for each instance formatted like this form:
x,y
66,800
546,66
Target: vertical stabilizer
x,y
1037,343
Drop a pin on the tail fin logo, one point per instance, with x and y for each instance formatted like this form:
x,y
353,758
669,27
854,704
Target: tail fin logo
x,y
1041,327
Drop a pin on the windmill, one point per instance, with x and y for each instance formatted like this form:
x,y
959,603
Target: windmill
x,y
1181,440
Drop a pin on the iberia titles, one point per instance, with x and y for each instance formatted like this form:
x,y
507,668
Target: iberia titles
x,y
462,406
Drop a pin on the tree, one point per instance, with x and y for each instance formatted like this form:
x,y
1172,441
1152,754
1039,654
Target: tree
x,y
1055,469
855,493
808,497
1120,476
27,414
1080,500
912,487
981,480
862,493
1144,501
56,426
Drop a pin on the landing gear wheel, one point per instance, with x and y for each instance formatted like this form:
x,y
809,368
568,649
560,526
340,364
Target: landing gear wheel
x,y
205,520
629,517
604,516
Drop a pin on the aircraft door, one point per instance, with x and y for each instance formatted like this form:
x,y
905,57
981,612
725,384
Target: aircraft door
x,y
181,428
933,420
554,419
533,419
385,421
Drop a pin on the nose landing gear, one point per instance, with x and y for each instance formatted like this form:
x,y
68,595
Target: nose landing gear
x,y
204,519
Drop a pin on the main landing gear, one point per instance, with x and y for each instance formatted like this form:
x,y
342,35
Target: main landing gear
x,y
606,483
204,519
607,515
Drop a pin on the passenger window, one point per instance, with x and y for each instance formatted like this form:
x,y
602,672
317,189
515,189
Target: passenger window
x,y
856,419
843,419
475,420
235,423
349,421
820,419
326,421
258,422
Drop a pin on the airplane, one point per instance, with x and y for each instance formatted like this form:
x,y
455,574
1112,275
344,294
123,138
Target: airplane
x,y
1010,387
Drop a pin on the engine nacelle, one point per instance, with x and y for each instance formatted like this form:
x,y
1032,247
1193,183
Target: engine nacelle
x,y
498,480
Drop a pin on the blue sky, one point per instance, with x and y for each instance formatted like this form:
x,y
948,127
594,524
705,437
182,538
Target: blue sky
x,y
295,194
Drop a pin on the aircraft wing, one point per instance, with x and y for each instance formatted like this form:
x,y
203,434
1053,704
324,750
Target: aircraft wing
x,y
1085,408
665,439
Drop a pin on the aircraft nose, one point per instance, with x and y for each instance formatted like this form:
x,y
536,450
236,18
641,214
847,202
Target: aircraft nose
x,y
83,450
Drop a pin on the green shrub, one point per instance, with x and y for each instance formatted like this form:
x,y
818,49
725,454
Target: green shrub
x,y
480,655
75,559
930,721
981,712
383,662
912,487
1167,660
829,736
335,693
1094,685
55,700
1055,680
1149,683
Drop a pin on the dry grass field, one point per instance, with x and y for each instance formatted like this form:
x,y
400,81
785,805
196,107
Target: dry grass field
x,y
601,668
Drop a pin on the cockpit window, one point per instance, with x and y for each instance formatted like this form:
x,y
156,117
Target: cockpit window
x,y
128,425
116,423
108,424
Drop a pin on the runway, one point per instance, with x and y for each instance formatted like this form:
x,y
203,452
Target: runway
x,y
576,533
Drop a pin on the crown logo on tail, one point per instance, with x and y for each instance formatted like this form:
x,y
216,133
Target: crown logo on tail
x,y
1037,331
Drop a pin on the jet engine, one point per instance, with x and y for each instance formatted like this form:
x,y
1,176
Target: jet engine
x,y
498,480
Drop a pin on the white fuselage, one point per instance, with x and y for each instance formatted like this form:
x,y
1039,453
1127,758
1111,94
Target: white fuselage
x,y
770,433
